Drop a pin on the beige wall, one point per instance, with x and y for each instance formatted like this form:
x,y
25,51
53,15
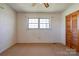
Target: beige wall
x,y
24,35
7,27
71,9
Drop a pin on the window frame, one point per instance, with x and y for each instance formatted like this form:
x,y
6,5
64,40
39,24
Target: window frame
x,y
31,23
39,23
45,23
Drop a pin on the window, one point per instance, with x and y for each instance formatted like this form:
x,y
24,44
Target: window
x,y
38,23
44,23
33,23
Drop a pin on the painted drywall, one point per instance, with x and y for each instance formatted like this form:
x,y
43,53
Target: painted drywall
x,y
7,27
25,35
68,11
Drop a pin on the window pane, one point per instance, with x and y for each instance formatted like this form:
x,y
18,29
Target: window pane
x,y
44,25
47,25
33,20
44,20
33,25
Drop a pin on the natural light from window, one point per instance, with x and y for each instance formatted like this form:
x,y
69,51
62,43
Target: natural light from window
x,y
38,23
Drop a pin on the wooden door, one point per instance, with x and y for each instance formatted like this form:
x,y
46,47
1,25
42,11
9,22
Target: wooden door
x,y
77,48
74,30
68,31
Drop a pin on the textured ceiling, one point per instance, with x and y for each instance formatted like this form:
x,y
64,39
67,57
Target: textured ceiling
x,y
27,7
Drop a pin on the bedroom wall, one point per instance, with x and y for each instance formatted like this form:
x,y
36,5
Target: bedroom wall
x,y
25,35
7,27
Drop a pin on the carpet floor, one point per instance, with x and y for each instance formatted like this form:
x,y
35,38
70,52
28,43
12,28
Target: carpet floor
x,y
39,50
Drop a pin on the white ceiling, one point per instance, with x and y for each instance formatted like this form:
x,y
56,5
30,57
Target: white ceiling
x,y
27,7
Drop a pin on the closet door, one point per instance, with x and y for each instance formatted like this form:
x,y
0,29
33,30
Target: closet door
x,y
68,31
77,49
74,31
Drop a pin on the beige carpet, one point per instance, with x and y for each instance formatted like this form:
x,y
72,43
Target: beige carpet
x,y
39,50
